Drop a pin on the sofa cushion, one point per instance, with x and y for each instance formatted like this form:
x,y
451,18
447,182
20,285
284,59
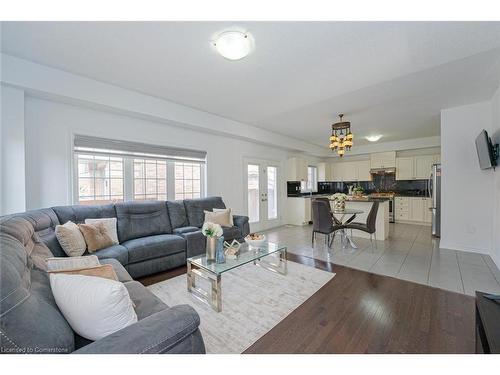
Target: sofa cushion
x,y
183,230
30,320
141,219
120,271
177,214
118,252
151,247
195,208
231,233
78,213
146,303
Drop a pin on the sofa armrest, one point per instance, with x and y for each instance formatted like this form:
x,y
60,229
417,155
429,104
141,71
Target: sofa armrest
x,y
242,222
173,330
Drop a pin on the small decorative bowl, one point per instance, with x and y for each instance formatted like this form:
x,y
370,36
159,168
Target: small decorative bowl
x,y
255,242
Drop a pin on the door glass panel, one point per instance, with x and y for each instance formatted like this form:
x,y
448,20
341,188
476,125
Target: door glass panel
x,y
253,192
272,193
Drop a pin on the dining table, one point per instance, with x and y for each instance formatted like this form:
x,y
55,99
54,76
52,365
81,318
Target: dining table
x,y
344,217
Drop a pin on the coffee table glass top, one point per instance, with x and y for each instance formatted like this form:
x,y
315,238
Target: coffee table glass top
x,y
247,254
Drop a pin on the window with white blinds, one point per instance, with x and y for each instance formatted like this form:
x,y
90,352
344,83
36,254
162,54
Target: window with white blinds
x,y
109,170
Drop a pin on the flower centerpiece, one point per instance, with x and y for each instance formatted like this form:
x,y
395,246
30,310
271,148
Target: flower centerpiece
x,y
212,231
358,191
339,201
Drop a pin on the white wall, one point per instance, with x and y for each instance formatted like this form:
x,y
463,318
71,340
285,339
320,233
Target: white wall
x,y
495,136
50,125
12,139
467,212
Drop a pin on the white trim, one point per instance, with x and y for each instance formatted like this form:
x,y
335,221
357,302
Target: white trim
x,y
465,248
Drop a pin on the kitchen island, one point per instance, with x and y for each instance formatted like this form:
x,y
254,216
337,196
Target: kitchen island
x,y
299,213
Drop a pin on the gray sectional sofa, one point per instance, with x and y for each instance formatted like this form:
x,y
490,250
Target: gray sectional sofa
x,y
154,236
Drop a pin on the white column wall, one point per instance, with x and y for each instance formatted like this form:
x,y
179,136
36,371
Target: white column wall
x,y
12,141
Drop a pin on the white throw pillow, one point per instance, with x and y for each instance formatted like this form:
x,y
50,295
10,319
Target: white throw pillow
x,y
93,306
109,224
230,215
222,218
71,239
71,263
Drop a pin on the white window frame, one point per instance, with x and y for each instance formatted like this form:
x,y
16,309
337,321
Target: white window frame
x,y
312,185
128,176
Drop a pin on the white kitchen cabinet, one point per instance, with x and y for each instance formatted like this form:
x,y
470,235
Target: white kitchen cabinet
x,y
412,210
363,168
404,168
298,210
423,165
351,171
325,171
383,159
417,205
296,169
415,167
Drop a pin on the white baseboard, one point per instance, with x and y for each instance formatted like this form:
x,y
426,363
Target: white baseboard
x,y
458,247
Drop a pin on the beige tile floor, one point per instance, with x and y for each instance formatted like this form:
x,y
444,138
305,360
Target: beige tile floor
x,y
410,254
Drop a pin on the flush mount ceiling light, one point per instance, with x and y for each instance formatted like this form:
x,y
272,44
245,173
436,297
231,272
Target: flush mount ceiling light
x,y
234,45
374,138
341,138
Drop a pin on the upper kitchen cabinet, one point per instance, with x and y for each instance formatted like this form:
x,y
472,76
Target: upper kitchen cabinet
x,y
404,168
296,169
363,168
351,171
415,167
383,160
325,172
423,165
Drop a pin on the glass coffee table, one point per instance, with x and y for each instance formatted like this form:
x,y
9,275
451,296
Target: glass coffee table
x,y
261,255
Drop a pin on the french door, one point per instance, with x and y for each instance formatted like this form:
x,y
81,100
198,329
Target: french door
x,y
262,181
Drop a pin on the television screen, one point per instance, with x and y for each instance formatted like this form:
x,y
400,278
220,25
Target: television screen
x,y
485,151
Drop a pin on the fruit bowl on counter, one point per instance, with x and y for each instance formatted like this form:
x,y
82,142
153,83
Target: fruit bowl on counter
x,y
255,239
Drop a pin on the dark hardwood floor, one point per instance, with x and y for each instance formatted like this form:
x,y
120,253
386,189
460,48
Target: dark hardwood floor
x,y
360,312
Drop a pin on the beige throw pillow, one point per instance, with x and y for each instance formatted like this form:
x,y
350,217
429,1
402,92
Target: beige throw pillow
x,y
110,224
105,271
96,236
223,210
222,218
65,263
71,239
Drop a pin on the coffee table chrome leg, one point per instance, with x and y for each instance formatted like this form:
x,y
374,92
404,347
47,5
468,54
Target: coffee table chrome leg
x,y
190,278
280,267
216,294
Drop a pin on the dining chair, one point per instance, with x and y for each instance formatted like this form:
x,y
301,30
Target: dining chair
x,y
324,199
323,221
369,226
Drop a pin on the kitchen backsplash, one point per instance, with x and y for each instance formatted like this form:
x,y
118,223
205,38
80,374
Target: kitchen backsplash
x,y
380,183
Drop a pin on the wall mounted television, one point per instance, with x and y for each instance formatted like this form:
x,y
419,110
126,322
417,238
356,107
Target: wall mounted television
x,y
486,151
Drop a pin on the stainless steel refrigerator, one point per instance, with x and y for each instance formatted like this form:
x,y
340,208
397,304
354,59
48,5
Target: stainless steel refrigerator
x,y
434,186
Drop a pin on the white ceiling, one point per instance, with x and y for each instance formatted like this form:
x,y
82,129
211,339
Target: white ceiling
x,y
390,78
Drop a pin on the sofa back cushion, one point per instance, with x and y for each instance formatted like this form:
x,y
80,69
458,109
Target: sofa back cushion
x,y
78,213
44,222
177,214
30,321
195,208
141,219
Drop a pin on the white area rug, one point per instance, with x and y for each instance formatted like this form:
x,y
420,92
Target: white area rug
x,y
254,300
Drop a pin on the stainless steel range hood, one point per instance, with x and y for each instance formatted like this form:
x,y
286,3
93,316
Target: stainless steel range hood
x,y
383,170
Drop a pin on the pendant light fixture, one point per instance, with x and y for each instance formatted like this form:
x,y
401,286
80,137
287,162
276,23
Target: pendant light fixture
x,y
341,138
